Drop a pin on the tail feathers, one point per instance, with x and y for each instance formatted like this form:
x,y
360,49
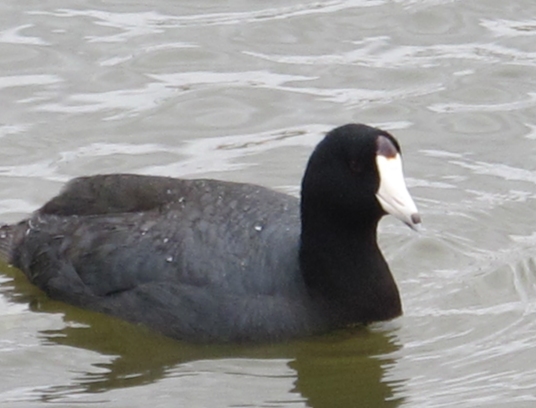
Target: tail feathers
x,y
7,233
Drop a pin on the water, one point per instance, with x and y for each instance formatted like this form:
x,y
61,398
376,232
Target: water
x,y
242,91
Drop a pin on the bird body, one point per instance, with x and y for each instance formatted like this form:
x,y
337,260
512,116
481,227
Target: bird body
x,y
214,261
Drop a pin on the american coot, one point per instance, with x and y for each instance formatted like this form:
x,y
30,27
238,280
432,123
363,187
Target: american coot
x,y
214,261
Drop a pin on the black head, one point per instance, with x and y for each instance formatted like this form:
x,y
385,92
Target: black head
x,y
346,177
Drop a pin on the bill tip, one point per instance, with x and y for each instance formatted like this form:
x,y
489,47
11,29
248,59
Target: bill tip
x,y
415,222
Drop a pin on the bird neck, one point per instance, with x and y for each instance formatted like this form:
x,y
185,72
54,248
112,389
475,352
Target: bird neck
x,y
342,264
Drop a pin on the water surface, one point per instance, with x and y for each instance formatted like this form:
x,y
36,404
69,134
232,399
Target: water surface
x,y
242,91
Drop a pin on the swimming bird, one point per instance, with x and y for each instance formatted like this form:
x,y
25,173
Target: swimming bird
x,y
213,261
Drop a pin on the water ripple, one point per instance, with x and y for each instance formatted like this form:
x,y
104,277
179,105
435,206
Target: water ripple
x,y
380,53
151,95
28,80
14,36
142,23
223,153
500,170
498,107
510,28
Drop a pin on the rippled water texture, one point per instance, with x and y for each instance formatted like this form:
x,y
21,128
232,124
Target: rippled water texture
x,y
242,90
